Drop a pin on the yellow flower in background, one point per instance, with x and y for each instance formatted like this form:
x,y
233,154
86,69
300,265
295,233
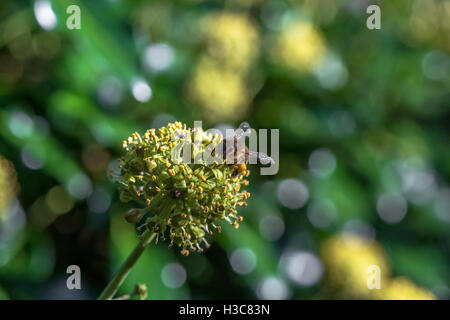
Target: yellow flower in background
x,y
429,23
300,47
8,185
403,289
218,82
220,93
232,39
347,258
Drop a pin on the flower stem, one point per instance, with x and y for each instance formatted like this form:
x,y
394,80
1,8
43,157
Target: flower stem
x,y
115,283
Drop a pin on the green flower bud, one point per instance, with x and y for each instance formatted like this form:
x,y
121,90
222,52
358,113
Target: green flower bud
x,y
151,164
125,196
140,290
134,215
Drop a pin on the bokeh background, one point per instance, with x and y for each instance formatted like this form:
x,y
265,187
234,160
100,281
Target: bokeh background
x,y
364,143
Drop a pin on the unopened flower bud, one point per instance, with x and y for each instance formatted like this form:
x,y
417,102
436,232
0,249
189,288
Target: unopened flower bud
x,y
134,215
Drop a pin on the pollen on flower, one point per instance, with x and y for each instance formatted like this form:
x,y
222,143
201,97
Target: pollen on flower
x,y
180,200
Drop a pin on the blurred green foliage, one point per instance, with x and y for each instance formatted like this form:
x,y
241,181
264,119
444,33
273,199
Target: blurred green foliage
x,y
363,118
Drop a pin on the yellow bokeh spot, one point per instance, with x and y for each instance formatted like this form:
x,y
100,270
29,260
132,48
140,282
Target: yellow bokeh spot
x,y
403,289
59,201
8,185
300,47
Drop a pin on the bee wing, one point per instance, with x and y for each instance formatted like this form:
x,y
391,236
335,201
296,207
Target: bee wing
x,y
243,130
241,155
179,134
263,158
228,146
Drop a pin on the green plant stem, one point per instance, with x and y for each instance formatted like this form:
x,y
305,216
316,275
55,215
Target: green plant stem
x,y
115,283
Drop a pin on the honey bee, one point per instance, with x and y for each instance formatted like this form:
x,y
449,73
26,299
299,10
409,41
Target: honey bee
x,y
241,153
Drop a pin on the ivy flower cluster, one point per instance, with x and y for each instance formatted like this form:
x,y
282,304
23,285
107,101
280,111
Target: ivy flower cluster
x,y
183,201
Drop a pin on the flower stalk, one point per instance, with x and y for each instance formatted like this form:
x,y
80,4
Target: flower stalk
x,y
115,283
